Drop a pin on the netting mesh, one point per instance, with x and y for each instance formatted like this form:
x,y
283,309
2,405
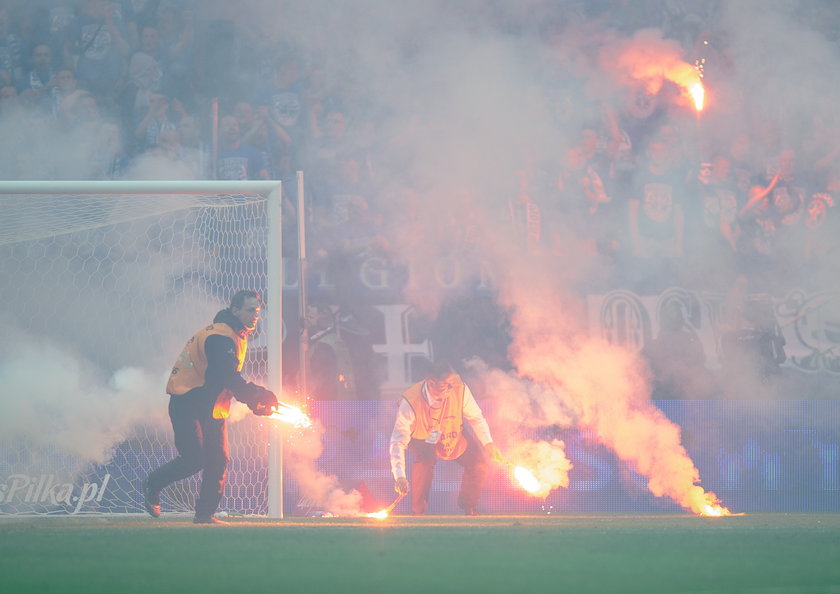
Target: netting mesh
x,y
99,294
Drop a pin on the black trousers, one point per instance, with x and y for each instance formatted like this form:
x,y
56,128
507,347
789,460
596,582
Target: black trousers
x,y
424,458
202,445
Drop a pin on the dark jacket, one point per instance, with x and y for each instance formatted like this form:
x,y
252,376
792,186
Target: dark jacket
x,y
222,366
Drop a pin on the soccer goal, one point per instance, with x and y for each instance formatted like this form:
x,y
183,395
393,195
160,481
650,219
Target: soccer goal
x,y
100,284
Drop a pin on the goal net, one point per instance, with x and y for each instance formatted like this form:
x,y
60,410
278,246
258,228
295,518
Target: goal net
x,y
101,283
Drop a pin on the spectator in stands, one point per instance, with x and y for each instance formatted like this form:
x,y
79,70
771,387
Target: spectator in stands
x,y
656,219
253,126
772,223
176,36
238,161
150,43
821,149
430,424
822,232
175,27
144,77
730,197
97,38
36,85
329,139
710,211
155,120
743,162
281,102
51,27
589,188
203,381
11,50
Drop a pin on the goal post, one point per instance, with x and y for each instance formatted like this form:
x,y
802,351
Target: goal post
x,y
84,263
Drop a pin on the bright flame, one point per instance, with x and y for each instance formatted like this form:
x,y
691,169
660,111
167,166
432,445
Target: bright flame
x,y
527,480
650,60
698,95
292,415
706,503
714,511
384,513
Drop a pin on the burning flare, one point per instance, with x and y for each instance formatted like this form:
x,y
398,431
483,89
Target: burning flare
x,y
382,514
291,415
698,95
540,466
649,59
707,504
527,480
715,511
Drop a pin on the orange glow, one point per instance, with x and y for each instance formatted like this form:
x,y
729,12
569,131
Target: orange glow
x,y
715,511
527,480
539,467
650,60
291,415
698,95
383,514
707,504
688,79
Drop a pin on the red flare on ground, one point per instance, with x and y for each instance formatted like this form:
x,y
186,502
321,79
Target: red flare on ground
x,y
383,514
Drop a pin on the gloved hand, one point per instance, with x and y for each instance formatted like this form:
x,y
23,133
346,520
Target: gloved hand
x,y
401,486
263,403
493,452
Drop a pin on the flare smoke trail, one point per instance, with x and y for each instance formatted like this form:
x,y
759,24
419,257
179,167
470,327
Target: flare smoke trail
x,y
650,60
321,490
596,385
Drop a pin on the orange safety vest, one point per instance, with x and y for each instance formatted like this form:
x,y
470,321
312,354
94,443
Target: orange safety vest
x,y
448,419
188,372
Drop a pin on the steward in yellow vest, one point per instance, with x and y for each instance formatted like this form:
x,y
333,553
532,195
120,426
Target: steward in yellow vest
x,y
430,423
202,383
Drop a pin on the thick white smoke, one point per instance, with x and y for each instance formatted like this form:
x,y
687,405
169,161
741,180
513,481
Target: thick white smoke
x,y
457,94
320,489
56,400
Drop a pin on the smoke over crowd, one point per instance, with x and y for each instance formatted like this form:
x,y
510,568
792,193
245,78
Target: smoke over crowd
x,y
428,129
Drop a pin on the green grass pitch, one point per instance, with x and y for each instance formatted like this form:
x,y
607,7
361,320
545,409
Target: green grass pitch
x,y
755,553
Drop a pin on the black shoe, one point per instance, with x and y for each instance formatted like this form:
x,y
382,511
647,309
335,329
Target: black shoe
x,y
151,501
208,520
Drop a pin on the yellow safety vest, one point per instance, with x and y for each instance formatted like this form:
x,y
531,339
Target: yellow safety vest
x,y
188,372
448,419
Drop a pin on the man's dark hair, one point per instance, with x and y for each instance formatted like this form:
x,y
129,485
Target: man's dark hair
x,y
240,296
439,370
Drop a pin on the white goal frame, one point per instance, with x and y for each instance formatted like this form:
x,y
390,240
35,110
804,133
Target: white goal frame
x,y
274,297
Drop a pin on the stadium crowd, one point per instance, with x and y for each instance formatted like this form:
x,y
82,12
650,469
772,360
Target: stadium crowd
x,y
157,89
130,85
